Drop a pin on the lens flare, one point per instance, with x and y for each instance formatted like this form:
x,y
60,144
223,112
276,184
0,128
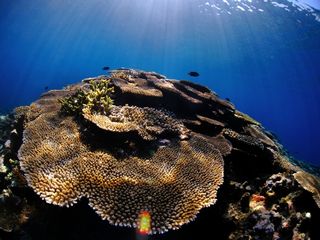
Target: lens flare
x,y
144,223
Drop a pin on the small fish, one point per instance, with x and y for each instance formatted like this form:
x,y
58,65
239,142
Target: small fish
x,y
228,99
194,74
46,88
106,68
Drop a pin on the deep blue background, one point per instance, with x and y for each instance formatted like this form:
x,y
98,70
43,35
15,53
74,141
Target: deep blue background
x,y
267,63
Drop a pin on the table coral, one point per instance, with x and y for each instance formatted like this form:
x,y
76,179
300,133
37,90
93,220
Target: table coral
x,y
64,158
173,184
136,143
148,122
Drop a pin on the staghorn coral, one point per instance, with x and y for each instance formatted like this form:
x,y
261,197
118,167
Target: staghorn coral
x,y
148,122
73,104
98,99
93,99
172,185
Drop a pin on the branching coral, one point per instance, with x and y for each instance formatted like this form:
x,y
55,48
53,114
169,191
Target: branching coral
x,y
73,104
94,99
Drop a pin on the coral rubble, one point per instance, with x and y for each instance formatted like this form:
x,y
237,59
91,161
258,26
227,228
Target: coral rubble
x,y
136,143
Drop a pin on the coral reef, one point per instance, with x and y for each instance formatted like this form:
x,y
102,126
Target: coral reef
x,y
5,129
274,211
62,169
310,183
148,122
239,139
14,210
91,98
153,154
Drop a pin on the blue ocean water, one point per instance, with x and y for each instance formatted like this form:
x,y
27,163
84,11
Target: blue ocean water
x,y
263,55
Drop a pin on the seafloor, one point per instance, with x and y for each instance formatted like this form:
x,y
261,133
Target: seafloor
x,y
212,170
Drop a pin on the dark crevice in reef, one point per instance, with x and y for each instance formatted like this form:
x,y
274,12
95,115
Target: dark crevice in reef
x,y
120,145
77,222
204,128
243,166
141,101
197,87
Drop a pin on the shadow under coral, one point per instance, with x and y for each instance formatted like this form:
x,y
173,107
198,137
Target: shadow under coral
x,y
80,222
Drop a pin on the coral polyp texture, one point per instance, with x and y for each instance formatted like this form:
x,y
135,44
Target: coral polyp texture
x,y
138,144
173,184
148,122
